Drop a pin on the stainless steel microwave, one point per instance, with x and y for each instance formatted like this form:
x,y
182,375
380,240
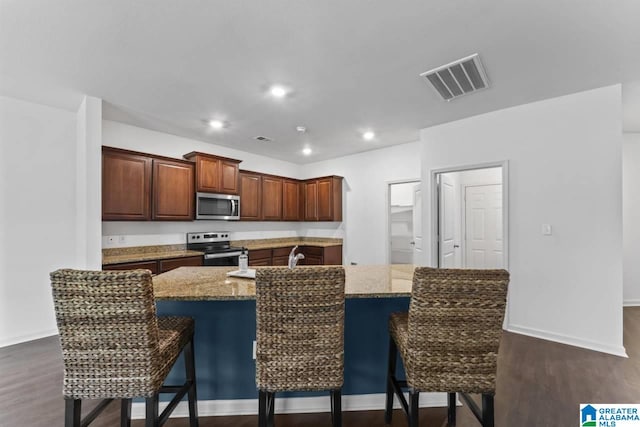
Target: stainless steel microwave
x,y
217,206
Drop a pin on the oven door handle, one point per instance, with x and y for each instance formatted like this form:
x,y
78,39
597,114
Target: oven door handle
x,y
222,255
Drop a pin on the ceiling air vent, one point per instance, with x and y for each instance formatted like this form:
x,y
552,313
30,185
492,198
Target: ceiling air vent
x,y
263,139
458,78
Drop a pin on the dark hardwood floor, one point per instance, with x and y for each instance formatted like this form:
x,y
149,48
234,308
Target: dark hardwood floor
x,y
540,383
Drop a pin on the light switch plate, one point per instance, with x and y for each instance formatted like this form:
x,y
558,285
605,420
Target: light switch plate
x,y
546,229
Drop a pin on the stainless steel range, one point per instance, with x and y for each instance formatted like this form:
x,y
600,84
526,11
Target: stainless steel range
x,y
216,247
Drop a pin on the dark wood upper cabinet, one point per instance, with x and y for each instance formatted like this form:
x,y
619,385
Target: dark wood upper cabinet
x,y
323,199
126,185
250,196
311,200
173,190
229,183
291,200
271,198
215,174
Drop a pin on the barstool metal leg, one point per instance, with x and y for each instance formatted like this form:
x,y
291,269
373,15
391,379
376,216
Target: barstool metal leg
x,y
391,373
336,408
190,366
262,408
72,408
271,409
451,409
487,410
414,399
125,413
152,416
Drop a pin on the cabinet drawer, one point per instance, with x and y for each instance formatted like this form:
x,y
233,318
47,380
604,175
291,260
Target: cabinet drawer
x,y
149,265
283,251
173,263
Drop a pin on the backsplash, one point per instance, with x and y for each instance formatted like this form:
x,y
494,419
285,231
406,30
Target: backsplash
x,y
124,234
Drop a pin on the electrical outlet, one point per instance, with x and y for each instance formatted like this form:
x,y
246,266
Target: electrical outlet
x,y
254,349
122,239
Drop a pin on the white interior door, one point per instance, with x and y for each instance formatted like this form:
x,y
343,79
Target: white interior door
x,y
484,241
417,224
446,223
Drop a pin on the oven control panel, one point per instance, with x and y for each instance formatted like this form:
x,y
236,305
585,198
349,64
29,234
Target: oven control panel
x,y
208,237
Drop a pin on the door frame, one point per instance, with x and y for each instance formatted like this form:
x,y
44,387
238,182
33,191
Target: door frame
x,y
387,199
434,208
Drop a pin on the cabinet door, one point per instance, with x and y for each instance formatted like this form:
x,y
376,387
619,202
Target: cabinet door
x,y
332,255
148,265
310,200
228,177
173,263
126,186
313,260
325,200
260,257
250,196
208,170
173,190
291,200
271,198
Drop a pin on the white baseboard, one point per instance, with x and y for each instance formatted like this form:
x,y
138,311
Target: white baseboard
x,y
290,405
7,341
631,303
569,340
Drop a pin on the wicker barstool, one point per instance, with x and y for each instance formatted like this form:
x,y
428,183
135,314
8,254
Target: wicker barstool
x,y
300,335
114,346
449,340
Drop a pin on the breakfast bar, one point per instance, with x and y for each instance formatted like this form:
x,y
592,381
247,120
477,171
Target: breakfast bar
x,y
224,310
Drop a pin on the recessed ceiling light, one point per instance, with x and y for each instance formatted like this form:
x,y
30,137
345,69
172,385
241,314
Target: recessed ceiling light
x,y
368,136
216,124
278,91
306,151
301,129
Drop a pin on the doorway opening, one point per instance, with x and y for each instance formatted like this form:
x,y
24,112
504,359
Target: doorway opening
x,y
404,228
470,218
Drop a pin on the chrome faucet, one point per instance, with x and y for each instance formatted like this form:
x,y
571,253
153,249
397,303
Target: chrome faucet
x,y
293,258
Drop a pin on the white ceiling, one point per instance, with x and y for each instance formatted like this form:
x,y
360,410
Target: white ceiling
x,y
354,65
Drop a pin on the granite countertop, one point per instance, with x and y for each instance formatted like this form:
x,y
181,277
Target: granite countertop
x,y
286,242
145,253
148,253
212,283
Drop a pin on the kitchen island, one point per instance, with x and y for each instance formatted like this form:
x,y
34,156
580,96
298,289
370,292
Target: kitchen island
x,y
224,311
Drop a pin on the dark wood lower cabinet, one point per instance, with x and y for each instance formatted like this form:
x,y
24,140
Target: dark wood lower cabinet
x,y
158,266
313,255
171,264
280,256
260,257
148,265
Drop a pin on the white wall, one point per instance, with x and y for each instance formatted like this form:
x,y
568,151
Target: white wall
x,y
631,217
565,170
365,204
37,214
